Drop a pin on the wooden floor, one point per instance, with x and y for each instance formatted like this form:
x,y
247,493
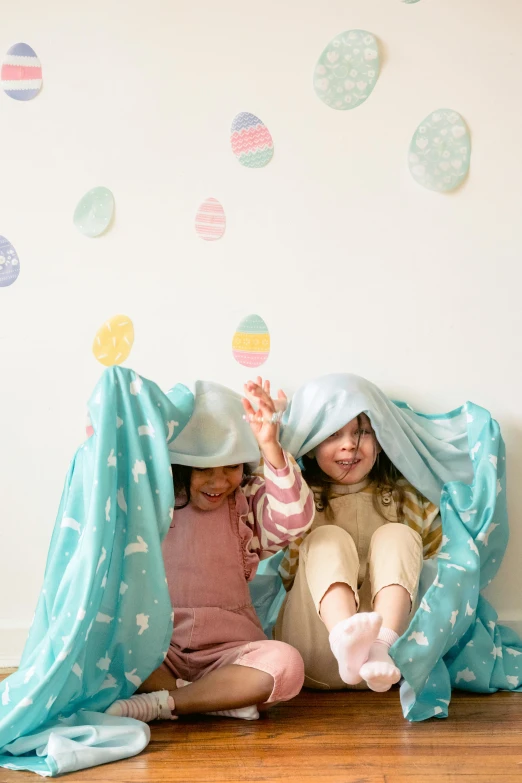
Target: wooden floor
x,y
358,737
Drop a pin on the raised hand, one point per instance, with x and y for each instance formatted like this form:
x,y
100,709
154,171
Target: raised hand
x,y
265,421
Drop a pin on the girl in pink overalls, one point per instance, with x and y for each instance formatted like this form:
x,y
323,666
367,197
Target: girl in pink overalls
x,y
219,659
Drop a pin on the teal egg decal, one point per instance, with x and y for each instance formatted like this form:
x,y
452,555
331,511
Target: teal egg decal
x,y
440,151
94,212
348,69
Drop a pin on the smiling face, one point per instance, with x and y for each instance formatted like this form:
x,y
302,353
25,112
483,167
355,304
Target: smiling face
x,y
349,454
210,487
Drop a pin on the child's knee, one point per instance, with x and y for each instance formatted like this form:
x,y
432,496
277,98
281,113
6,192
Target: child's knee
x,y
327,536
395,532
286,666
291,673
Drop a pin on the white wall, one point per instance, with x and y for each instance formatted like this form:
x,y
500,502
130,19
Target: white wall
x,y
353,266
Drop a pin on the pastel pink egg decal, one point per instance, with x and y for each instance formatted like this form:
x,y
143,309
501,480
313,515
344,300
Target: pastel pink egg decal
x,y
210,220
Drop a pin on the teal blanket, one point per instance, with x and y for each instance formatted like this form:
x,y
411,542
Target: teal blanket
x,y
104,619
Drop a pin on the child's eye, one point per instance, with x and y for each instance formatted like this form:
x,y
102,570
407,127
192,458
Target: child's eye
x,y
200,470
363,432
232,467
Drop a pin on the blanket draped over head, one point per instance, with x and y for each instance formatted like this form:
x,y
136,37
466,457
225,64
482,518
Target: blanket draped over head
x,y
457,460
103,621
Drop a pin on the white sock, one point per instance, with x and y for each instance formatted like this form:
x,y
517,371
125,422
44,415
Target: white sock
x,y
145,706
379,671
350,642
245,713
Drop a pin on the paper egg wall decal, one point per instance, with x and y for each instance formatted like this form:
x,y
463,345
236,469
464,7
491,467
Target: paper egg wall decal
x,y
251,141
251,342
9,263
348,69
94,212
21,73
114,340
210,220
440,151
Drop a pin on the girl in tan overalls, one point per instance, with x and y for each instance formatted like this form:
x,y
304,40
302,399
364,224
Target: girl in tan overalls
x,y
353,578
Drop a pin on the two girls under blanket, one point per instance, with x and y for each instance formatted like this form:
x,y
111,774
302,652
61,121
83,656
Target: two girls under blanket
x,y
356,524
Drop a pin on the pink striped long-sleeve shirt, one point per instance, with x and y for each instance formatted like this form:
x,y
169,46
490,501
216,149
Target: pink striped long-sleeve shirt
x,y
280,509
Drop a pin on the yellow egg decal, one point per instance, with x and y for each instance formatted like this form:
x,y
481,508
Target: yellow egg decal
x,y
114,340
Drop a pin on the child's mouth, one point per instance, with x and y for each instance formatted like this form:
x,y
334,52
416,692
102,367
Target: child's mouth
x,y
348,463
212,497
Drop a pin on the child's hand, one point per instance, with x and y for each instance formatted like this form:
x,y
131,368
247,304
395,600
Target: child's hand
x,y
265,422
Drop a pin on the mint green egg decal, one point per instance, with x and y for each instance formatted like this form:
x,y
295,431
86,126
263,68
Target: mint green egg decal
x,y
347,70
94,212
440,151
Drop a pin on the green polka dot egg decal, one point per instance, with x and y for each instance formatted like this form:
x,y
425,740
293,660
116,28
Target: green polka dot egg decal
x,y
440,151
94,212
348,69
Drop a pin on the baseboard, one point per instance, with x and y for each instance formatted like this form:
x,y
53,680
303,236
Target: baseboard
x,y
12,641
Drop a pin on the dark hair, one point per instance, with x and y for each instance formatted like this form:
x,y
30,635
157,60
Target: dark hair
x,y
383,473
181,475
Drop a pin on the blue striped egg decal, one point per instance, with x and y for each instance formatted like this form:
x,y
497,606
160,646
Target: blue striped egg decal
x,y
440,151
21,73
9,263
251,141
347,70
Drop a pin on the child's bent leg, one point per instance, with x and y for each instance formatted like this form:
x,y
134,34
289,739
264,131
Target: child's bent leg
x,y
260,672
323,598
281,662
395,566
350,634
395,561
225,688
330,561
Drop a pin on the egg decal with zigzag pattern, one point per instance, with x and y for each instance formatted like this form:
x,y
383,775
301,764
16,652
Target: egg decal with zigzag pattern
x,y
251,141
